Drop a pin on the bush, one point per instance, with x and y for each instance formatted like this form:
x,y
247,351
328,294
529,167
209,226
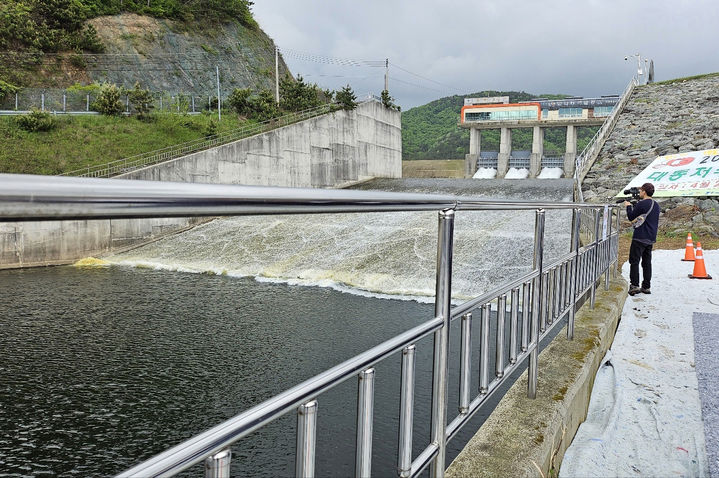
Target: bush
x,y
141,101
7,89
240,101
388,101
36,121
346,98
108,100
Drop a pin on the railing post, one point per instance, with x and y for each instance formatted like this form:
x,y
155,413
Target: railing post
x,y
533,372
513,319
595,260
365,413
218,465
499,346
465,363
306,439
441,340
607,245
576,225
406,412
616,262
484,349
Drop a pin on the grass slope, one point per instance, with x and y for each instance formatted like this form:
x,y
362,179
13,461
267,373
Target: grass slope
x,y
81,141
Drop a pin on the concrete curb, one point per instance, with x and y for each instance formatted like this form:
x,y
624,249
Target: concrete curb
x,y
524,436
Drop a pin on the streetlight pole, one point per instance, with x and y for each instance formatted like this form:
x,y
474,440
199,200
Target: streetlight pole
x,y
639,65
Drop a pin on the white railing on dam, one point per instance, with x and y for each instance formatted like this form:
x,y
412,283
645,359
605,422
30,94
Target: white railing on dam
x,y
528,307
586,158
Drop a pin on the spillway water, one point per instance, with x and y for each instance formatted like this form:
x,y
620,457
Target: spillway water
x,y
383,254
103,367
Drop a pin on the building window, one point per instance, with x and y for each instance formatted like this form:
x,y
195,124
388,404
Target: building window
x,y
603,110
570,112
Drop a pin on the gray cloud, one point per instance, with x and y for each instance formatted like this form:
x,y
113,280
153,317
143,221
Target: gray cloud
x,y
554,46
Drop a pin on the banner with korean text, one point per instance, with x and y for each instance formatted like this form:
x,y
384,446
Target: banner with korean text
x,y
683,174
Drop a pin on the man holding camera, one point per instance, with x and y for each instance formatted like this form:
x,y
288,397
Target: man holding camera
x,y
645,217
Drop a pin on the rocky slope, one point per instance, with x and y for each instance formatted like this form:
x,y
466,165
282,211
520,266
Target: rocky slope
x,y
660,119
166,55
173,56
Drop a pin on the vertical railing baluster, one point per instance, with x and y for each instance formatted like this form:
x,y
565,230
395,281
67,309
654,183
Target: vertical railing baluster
x,y
543,302
306,439
607,248
533,372
365,414
484,349
551,274
499,346
513,318
218,465
465,368
526,313
406,412
440,364
595,260
557,291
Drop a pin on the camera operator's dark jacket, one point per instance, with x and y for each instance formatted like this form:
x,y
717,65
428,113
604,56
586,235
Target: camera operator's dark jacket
x,y
647,232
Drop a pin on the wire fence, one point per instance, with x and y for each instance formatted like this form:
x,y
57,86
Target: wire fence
x,y
68,101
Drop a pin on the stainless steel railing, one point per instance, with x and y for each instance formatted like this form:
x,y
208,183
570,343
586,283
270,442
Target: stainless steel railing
x,y
533,304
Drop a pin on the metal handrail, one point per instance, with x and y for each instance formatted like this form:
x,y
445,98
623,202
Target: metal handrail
x,y
546,294
137,161
590,152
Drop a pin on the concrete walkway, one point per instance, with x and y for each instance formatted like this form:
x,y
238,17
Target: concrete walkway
x,y
656,392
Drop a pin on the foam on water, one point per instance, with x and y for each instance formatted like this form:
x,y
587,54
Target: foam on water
x,y
378,254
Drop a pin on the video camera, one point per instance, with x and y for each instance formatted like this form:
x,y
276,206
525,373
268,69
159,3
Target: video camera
x,y
634,192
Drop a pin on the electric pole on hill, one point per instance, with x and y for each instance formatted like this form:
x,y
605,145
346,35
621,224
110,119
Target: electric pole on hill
x,y
386,74
277,75
219,102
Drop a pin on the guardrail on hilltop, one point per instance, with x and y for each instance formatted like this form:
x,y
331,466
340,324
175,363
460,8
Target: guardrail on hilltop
x,y
125,165
528,307
587,157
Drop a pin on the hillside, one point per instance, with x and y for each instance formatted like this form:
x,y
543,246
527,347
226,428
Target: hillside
x,y
165,45
431,132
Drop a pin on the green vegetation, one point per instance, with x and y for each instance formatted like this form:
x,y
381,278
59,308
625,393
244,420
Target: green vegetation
x,y
346,98
29,29
36,121
80,141
686,78
431,131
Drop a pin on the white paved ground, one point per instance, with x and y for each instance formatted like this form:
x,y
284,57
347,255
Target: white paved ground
x,y
645,413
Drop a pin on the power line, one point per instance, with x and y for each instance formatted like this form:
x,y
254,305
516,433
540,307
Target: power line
x,y
425,78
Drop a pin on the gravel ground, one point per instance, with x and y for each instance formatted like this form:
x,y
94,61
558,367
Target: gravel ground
x,y
706,338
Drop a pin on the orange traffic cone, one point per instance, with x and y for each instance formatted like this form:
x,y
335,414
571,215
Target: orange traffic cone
x,y
689,252
700,271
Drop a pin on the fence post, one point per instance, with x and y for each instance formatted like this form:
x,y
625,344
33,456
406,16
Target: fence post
x,y
193,103
42,101
441,340
576,224
365,413
218,465
607,245
595,260
64,103
306,439
15,101
87,102
533,372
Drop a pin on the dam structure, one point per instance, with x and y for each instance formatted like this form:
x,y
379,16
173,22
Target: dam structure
x,y
481,114
458,262
444,290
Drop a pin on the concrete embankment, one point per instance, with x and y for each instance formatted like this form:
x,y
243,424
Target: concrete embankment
x,y
327,151
525,437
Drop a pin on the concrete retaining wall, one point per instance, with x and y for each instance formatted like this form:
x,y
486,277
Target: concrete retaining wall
x,y
327,151
523,436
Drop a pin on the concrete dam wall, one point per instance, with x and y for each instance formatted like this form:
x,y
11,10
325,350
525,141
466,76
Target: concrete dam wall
x,y
327,151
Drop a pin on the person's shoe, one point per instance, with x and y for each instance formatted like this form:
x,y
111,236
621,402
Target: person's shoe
x,y
645,290
633,290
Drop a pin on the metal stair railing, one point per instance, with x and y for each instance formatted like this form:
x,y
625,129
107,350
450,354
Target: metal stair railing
x,y
530,305
586,158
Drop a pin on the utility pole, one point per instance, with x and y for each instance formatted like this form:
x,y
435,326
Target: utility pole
x,y
219,101
277,75
386,74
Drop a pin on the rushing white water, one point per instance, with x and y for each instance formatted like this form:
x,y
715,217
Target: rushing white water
x,y
379,254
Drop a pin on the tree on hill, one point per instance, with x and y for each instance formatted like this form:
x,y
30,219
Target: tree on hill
x,y
346,98
296,95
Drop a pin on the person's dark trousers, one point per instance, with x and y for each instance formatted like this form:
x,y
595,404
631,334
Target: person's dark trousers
x,y
640,251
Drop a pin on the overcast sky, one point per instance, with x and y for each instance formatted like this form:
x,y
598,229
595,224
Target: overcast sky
x,y
439,48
